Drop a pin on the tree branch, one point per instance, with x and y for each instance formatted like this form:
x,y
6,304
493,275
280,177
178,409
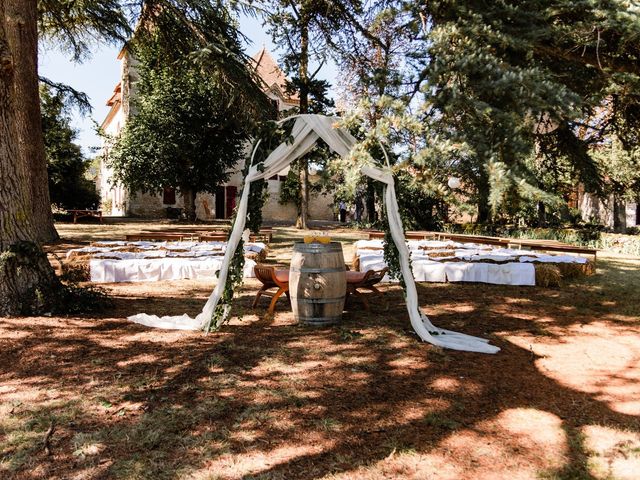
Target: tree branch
x,y
71,95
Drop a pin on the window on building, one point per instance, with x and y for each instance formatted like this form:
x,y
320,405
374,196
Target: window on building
x,y
169,196
638,211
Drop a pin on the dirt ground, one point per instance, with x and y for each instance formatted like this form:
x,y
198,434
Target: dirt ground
x,y
99,397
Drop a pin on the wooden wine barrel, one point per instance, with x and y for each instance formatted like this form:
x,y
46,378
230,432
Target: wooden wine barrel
x,y
317,283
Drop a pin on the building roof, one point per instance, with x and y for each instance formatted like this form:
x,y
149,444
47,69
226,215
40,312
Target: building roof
x,y
273,76
115,102
116,96
266,67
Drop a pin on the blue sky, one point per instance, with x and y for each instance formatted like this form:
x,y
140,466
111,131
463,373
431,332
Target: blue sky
x,y
98,75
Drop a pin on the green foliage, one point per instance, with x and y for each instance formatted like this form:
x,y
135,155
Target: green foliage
x,y
499,72
392,256
317,90
67,168
625,244
391,253
420,209
514,98
297,28
270,136
187,131
75,24
290,188
203,31
234,280
319,158
42,292
621,165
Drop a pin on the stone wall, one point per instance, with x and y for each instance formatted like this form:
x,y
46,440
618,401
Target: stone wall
x,y
594,209
150,206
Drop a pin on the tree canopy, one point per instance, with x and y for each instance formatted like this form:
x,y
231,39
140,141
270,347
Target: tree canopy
x,y
480,89
187,131
66,165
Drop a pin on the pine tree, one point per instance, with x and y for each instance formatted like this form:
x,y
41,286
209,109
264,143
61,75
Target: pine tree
x,y
493,83
27,281
297,27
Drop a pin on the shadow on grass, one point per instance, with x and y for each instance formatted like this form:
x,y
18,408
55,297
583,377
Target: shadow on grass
x,y
270,399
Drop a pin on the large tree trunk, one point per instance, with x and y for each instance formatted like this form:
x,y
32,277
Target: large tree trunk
x,y
542,215
619,214
27,281
15,211
304,108
22,37
189,198
484,209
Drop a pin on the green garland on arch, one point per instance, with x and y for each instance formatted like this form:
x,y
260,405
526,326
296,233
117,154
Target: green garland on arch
x,y
271,134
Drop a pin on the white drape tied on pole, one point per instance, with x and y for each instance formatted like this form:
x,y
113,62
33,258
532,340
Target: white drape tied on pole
x,y
306,131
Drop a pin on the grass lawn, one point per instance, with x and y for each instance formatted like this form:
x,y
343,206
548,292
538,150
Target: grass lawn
x,y
98,397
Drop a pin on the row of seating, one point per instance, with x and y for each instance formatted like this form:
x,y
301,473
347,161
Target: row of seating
x,y
272,277
537,245
179,235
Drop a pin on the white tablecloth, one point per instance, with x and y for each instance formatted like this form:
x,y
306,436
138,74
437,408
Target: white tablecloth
x,y
156,269
498,274
425,270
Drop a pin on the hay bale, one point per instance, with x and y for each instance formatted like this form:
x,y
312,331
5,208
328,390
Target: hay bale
x,y
355,264
258,257
440,253
589,268
576,270
129,249
75,255
547,275
76,270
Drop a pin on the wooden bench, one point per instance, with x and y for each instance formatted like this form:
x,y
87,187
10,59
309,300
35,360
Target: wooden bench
x,y
85,213
213,237
162,236
409,235
553,246
210,234
532,244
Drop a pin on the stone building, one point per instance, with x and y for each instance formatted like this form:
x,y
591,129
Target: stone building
x,y
116,200
605,212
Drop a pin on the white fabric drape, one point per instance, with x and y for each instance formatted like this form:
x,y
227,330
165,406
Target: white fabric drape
x,y
305,132
426,330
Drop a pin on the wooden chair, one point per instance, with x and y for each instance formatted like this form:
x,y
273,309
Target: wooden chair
x,y
271,278
366,281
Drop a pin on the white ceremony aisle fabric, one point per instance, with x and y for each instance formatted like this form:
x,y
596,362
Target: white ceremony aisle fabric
x,y
426,330
305,132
